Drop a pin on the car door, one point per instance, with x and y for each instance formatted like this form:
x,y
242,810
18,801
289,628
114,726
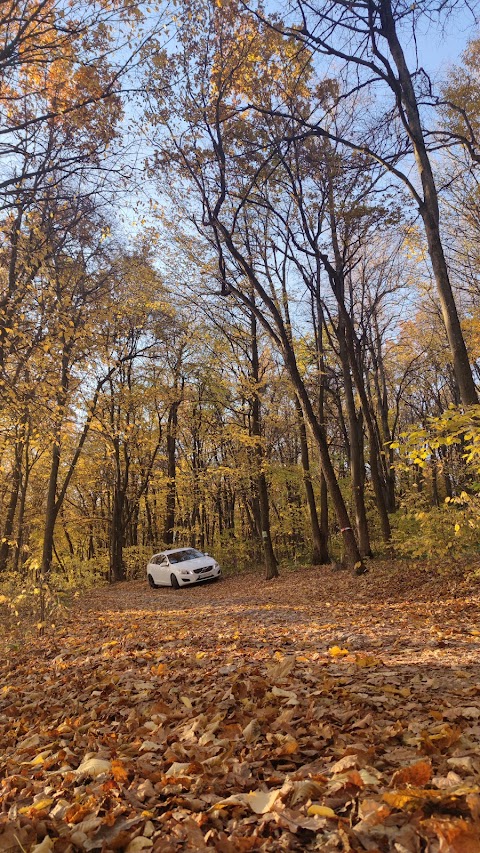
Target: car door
x,y
163,570
153,569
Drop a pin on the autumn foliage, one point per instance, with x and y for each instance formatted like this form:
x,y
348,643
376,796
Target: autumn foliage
x,y
292,716
239,310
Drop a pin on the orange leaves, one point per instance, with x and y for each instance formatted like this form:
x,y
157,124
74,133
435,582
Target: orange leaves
x,y
288,747
363,661
455,835
336,652
248,64
52,67
119,771
240,737
412,798
415,774
439,738
79,811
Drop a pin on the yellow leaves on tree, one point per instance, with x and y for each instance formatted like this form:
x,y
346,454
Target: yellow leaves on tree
x,y
249,63
55,67
462,96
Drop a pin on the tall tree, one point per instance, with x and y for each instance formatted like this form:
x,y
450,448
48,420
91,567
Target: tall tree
x,y
207,154
367,40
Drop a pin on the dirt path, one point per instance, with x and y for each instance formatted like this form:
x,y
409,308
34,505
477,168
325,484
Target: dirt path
x,y
315,712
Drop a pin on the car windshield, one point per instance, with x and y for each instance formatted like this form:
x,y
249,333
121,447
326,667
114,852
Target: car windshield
x,y
182,556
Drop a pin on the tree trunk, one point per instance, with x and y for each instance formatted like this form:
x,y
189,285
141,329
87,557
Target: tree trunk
x,y
169,526
357,464
380,383
429,211
336,281
117,565
17,560
351,553
319,554
321,406
434,470
150,537
271,566
347,339
51,511
16,476
324,510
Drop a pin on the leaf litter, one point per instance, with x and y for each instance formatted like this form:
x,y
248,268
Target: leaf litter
x,y
313,712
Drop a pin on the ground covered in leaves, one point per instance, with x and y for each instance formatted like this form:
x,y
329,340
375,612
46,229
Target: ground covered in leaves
x,y
315,712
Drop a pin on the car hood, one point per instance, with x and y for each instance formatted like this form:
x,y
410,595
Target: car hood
x,y
197,563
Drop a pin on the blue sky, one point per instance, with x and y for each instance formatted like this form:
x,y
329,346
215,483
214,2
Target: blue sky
x,y
439,50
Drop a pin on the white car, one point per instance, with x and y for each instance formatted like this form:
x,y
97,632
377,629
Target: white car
x,y
181,567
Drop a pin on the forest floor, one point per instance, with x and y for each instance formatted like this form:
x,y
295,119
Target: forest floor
x,y
319,711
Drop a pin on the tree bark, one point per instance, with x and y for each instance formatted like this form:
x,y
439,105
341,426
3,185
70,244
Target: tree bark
x,y
117,565
169,526
348,356
351,551
17,560
271,566
318,326
429,210
50,512
350,548
380,384
319,554
357,464
53,505
16,476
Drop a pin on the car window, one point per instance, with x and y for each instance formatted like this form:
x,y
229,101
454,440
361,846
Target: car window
x,y
176,558
182,556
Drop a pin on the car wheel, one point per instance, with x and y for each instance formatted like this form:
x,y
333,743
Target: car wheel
x,y
174,581
151,582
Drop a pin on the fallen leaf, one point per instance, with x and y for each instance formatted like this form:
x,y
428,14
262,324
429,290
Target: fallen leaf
x,y
336,651
252,731
138,843
119,772
259,802
455,835
321,811
150,746
178,768
415,774
44,847
282,669
40,758
38,805
93,767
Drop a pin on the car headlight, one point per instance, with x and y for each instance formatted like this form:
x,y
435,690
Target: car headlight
x,y
216,566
